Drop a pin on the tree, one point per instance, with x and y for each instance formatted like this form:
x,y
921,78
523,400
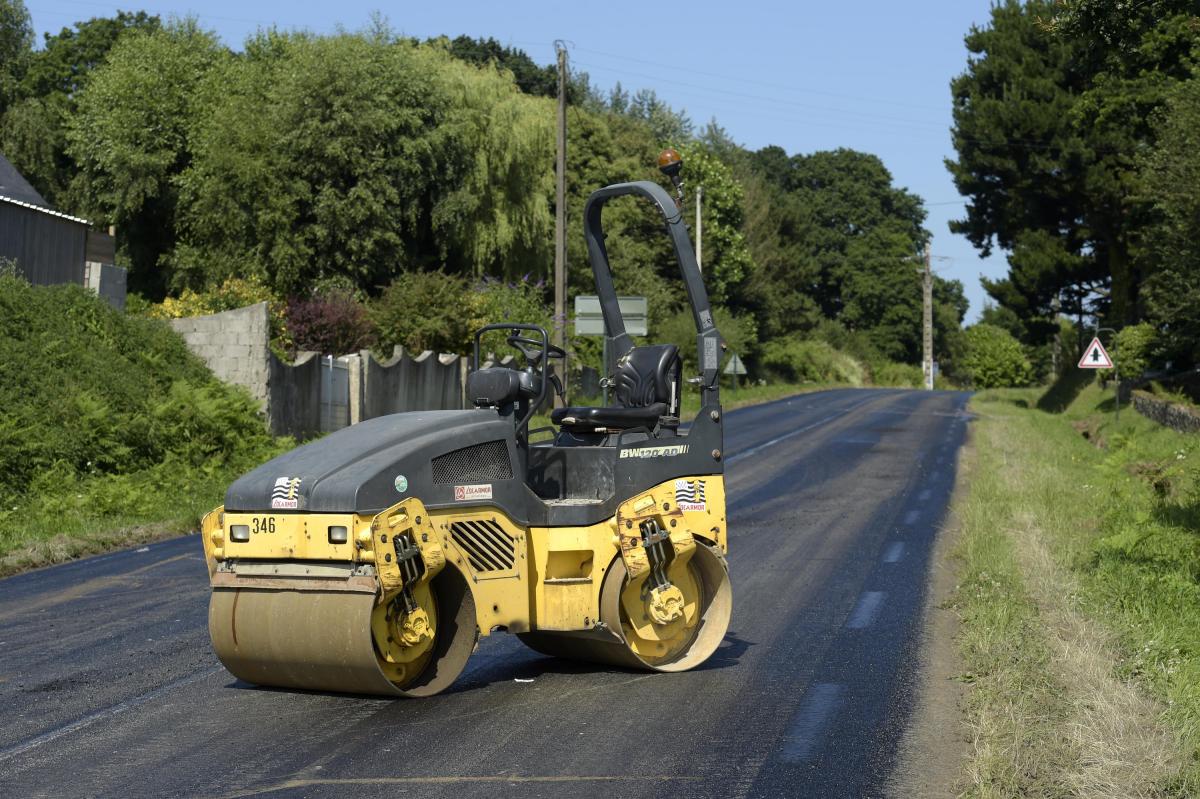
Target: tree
x,y
529,77
1020,161
16,45
1049,118
665,123
726,258
604,148
844,246
131,140
1172,177
34,131
362,158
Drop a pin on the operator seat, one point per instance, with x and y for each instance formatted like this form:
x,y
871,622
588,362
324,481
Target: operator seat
x,y
646,388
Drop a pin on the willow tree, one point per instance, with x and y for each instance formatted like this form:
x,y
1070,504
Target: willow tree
x,y
489,212
361,157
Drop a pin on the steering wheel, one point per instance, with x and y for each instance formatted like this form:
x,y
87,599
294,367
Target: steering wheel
x,y
532,348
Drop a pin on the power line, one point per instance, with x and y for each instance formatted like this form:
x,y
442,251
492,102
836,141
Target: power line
x,y
775,113
772,100
754,82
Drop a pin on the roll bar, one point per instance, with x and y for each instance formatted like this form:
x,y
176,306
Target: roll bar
x,y
708,339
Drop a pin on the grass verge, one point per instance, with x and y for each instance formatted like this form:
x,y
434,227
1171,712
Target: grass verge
x,y
1079,601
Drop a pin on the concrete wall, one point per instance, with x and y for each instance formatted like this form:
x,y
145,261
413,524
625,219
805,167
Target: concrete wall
x,y
235,346
1168,414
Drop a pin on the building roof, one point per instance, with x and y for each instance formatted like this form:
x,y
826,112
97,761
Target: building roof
x,y
14,186
15,190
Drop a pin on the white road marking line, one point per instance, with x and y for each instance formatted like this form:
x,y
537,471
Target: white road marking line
x,y
804,735
759,448
866,610
894,553
911,517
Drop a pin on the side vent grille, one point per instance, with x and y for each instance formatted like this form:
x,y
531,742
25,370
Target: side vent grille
x,y
487,547
476,463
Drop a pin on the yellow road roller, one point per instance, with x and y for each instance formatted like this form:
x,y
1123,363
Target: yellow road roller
x,y
370,561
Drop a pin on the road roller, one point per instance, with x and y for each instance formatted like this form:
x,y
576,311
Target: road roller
x,y
372,560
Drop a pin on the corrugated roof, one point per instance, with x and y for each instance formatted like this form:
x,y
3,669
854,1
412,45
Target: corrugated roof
x,y
14,185
44,210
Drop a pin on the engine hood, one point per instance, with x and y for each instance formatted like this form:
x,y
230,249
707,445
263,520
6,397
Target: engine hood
x,y
372,465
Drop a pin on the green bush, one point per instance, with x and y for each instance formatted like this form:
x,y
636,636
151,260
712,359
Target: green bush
x,y
423,311
88,391
798,361
896,375
994,359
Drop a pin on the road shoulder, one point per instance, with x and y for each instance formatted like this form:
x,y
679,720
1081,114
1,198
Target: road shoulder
x,y
936,742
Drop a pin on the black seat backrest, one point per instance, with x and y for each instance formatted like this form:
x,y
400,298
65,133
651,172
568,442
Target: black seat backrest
x,y
493,387
650,374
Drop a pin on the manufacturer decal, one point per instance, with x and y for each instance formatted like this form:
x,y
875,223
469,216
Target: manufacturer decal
x,y
401,483
469,493
711,359
286,494
655,452
689,495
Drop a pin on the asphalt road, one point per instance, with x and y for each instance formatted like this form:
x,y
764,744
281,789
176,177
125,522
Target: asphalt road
x,y
108,686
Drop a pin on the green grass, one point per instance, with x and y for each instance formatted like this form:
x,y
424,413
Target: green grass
x,y
1080,599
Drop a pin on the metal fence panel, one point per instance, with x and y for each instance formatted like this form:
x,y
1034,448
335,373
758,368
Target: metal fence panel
x,y
335,393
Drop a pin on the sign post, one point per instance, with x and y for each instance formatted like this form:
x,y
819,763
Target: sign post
x,y
589,321
1096,357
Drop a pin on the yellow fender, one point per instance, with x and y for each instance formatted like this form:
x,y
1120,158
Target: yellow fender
x,y
404,519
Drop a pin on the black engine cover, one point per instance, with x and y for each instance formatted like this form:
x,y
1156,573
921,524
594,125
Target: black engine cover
x,y
443,458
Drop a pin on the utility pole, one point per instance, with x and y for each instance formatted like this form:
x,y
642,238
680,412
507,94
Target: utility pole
x,y
699,230
928,320
560,214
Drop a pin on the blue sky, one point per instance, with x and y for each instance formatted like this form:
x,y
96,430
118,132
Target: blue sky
x,y
871,75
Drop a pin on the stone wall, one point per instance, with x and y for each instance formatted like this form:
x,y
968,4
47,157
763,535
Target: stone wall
x,y
235,346
1169,414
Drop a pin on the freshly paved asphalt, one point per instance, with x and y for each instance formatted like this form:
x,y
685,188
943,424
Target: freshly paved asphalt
x,y
108,686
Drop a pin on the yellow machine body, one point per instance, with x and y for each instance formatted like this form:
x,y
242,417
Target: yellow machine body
x,y
292,607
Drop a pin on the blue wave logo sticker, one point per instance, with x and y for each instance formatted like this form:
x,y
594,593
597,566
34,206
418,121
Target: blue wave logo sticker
x,y
286,493
689,495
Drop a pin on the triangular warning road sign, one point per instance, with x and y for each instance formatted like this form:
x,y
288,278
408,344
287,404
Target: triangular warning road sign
x,y
1095,356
